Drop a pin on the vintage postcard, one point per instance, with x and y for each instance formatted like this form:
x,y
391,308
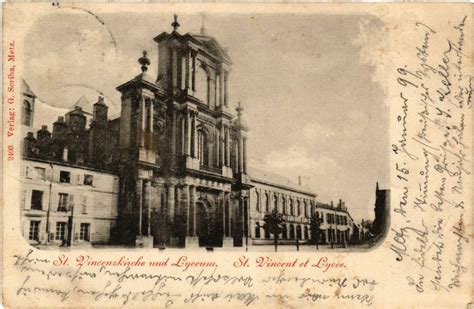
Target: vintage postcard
x,y
285,155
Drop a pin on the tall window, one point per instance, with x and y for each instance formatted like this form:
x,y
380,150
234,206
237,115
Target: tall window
x,y
298,209
62,203
84,232
37,200
147,114
202,83
34,230
275,201
283,204
27,114
292,210
257,230
292,231
305,210
60,231
257,201
267,203
203,150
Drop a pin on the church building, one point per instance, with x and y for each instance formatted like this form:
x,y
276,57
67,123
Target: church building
x,y
178,154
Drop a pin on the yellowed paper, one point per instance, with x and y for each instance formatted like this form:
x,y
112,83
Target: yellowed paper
x,y
288,155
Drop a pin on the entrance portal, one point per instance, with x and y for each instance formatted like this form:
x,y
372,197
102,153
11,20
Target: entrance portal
x,y
207,228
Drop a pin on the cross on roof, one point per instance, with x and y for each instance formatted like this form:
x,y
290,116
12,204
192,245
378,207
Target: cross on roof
x,y
175,23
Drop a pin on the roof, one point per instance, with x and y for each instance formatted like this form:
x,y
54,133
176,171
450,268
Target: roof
x,y
84,104
272,179
25,88
211,45
208,43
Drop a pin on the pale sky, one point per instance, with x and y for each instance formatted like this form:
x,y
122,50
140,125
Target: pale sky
x,y
306,82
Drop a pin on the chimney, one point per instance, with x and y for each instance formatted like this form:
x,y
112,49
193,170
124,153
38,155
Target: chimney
x,y
43,134
332,204
340,203
65,154
59,128
299,180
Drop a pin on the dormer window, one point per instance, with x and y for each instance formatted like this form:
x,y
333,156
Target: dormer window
x,y
27,113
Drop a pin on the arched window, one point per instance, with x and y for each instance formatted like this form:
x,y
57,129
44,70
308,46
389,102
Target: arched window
x,y
292,210
27,113
283,204
306,233
257,230
298,210
298,231
292,232
202,82
203,150
257,201
305,209
275,201
284,232
267,203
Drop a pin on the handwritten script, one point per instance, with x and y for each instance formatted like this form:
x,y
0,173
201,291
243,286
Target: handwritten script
x,y
134,281
433,158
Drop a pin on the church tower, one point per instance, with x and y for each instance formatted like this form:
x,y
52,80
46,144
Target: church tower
x,y
183,154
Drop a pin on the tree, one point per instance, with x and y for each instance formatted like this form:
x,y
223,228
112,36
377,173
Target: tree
x,y
315,226
274,225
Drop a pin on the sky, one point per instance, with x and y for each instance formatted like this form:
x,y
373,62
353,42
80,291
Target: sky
x,y
308,84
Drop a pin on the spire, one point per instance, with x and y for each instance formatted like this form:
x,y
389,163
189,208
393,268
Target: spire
x,y
203,28
377,186
175,23
144,61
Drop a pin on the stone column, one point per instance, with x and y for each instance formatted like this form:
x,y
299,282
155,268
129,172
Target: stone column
x,y
226,76
150,134
193,203
193,79
221,82
188,134
229,213
222,207
188,210
173,139
227,146
182,122
147,200
241,155
222,148
171,201
142,107
244,143
139,192
195,141
187,76
174,68
218,147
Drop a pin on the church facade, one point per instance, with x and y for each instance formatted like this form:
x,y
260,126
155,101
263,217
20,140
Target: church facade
x,y
179,154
